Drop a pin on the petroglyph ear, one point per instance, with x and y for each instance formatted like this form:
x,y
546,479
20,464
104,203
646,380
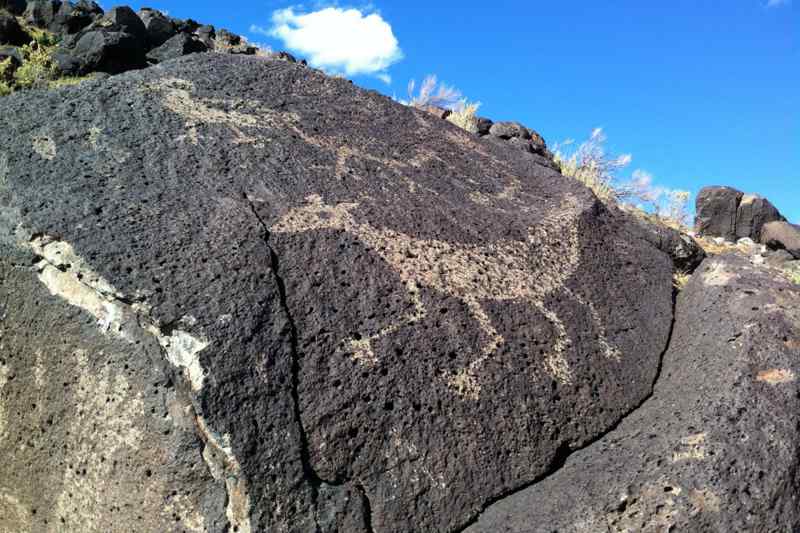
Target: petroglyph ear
x,y
315,214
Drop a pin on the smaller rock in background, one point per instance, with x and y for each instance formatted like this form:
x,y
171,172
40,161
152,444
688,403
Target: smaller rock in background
x,y
717,211
753,212
160,28
509,130
782,235
15,7
11,32
41,13
180,45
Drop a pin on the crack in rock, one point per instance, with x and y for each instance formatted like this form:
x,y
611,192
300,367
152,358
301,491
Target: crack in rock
x,y
67,276
564,453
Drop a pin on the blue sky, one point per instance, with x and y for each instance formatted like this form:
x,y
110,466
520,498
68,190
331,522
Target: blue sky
x,y
700,92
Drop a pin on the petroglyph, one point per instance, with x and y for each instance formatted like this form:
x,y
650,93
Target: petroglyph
x,y
499,271
177,97
251,122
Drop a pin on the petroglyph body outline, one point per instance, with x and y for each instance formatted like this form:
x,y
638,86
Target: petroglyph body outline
x,y
245,114
498,271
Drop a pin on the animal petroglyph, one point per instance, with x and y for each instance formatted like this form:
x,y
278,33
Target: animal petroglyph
x,y
252,123
504,270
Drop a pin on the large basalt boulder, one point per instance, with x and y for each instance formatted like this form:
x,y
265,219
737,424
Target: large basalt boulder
x,y
244,296
731,214
716,209
716,447
105,50
509,130
11,33
782,236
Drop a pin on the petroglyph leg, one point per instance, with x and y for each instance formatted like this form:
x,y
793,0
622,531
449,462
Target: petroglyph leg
x,y
361,349
465,381
555,361
609,351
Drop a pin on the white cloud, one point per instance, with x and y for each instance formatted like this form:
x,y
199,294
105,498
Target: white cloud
x,y
337,40
778,3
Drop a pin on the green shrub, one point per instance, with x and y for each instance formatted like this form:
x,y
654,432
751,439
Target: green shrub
x,y
38,68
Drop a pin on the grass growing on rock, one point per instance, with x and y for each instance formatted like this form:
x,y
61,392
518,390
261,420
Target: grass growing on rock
x,y
464,117
590,163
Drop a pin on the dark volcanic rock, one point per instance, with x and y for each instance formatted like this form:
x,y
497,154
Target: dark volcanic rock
x,y
15,7
41,13
685,252
159,27
261,299
71,18
180,45
186,26
126,20
753,212
717,211
509,130
11,32
716,447
107,51
12,52
782,235
484,125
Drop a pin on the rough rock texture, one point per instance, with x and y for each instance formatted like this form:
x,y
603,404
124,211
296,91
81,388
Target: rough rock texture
x,y
71,18
160,28
716,209
41,13
782,236
12,52
685,252
236,292
752,214
177,46
510,130
15,7
11,32
731,214
716,447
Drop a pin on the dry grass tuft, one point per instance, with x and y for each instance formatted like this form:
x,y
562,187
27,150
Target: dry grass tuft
x,y
432,93
464,116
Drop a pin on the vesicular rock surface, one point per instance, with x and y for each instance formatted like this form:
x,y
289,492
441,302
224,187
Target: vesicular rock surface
x,y
716,447
237,293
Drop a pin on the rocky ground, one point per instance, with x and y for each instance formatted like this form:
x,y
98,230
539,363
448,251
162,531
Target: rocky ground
x,y
239,295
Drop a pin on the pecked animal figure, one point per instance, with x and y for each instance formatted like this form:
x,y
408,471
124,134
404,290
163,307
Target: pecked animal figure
x,y
278,302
